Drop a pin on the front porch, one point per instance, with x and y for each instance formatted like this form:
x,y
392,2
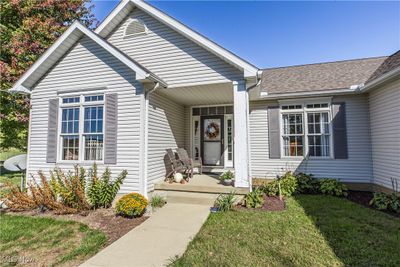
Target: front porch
x,y
201,183
210,122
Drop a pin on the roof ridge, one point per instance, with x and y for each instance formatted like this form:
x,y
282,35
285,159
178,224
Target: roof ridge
x,y
327,62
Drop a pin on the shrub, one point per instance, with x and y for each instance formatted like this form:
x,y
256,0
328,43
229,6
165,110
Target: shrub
x,y
157,201
131,205
65,193
287,182
271,188
228,175
332,187
390,202
225,202
102,191
254,199
38,196
306,184
70,188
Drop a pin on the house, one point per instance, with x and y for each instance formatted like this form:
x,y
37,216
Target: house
x,y
143,82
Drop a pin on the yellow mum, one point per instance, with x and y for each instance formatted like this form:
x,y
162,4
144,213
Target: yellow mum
x,y
131,205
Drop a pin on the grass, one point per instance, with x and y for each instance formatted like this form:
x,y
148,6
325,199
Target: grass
x,y
6,154
313,231
46,241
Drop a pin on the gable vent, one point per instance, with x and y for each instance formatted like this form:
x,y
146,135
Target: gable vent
x,y
135,27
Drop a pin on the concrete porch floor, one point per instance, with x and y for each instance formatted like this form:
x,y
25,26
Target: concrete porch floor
x,y
201,183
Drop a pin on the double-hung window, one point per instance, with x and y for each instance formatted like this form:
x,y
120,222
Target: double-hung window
x,y
306,130
82,126
70,133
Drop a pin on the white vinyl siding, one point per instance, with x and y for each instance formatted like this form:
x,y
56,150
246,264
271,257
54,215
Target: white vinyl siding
x,y
87,66
357,168
166,129
384,105
173,57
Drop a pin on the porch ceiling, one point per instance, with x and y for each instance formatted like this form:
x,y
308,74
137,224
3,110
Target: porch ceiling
x,y
210,94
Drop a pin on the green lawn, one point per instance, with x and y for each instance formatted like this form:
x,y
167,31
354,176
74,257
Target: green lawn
x,y
45,241
313,231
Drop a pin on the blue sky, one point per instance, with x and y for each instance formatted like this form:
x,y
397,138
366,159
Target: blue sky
x,y
273,34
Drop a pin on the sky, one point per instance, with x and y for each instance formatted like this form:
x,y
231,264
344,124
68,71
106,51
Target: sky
x,y
274,34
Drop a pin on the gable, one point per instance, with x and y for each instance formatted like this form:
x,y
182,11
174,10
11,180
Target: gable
x,y
171,56
87,66
63,44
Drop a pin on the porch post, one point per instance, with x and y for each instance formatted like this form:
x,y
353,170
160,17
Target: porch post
x,y
241,146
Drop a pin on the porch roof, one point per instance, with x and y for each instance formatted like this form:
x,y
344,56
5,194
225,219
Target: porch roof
x,y
210,94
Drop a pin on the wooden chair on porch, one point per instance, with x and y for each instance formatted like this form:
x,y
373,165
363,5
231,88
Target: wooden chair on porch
x,y
176,165
189,162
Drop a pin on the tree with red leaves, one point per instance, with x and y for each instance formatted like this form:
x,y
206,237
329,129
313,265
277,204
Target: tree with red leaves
x,y
27,29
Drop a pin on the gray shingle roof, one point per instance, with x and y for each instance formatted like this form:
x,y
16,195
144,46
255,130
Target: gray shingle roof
x,y
320,76
389,64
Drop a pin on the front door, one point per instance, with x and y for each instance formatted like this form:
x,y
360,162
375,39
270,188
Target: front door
x,y
212,140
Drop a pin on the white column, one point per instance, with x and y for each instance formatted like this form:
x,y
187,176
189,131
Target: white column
x,y
241,144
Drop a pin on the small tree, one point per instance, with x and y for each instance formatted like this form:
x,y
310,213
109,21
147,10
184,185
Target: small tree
x,y
27,29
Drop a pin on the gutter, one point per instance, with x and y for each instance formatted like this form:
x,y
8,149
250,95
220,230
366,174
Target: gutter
x,y
384,78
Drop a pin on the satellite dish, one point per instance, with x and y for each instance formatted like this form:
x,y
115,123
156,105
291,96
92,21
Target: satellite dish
x,y
16,163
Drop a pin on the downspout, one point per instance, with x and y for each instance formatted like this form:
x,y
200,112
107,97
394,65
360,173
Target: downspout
x,y
146,135
258,81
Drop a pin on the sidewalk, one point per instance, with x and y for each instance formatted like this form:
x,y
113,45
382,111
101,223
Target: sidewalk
x,y
156,241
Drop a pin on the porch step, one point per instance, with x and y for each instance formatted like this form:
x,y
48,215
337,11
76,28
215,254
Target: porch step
x,y
187,197
195,188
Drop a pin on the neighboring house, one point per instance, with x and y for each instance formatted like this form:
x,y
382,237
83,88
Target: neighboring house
x,y
142,82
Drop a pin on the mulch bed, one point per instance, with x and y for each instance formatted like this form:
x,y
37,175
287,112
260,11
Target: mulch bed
x,y
270,204
273,204
104,220
363,198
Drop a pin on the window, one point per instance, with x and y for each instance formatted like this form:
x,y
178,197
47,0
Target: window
x,y
72,136
293,136
318,134
93,133
70,100
306,131
134,27
93,98
70,133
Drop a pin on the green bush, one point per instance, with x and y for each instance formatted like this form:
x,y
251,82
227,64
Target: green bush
x,y
225,202
306,184
271,188
390,202
288,185
131,205
382,201
254,199
332,187
102,191
157,201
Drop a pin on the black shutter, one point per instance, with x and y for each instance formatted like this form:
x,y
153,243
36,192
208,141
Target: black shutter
x,y
339,130
111,129
51,156
274,133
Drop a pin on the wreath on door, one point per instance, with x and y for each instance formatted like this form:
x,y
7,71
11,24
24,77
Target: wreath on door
x,y
212,130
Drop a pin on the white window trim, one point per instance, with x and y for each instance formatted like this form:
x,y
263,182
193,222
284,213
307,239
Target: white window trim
x,y
81,104
304,110
135,34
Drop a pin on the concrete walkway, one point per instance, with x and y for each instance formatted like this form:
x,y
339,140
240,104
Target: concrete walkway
x,y
156,241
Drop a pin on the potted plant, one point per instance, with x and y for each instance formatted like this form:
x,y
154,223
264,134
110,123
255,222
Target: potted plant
x,y
227,177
